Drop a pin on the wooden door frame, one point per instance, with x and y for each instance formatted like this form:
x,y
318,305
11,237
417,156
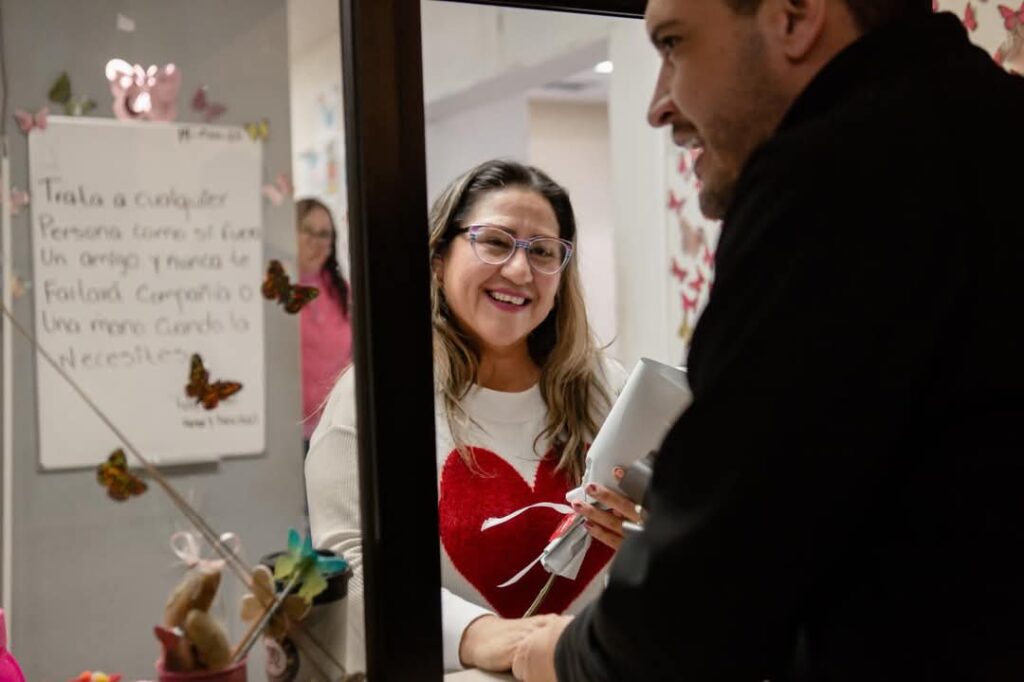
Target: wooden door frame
x,y
387,198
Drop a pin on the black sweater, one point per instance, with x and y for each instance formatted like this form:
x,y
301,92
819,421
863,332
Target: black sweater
x,y
844,500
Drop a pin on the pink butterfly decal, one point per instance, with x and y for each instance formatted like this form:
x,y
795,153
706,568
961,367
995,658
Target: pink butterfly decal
x,y
144,94
27,120
211,111
18,200
1012,19
280,190
689,304
683,164
970,20
678,272
709,257
697,285
675,203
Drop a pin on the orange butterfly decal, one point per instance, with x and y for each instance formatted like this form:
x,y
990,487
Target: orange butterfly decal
x,y
277,287
115,477
200,388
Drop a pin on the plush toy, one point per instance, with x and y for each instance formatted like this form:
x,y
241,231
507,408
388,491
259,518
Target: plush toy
x,y
196,591
190,637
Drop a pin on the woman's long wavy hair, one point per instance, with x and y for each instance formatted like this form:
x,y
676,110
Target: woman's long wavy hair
x,y
562,346
339,284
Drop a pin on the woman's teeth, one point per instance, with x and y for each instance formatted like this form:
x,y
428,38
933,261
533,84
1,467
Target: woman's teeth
x,y
505,298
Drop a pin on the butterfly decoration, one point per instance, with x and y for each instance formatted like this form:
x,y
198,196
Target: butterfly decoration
x,y
149,94
675,203
277,286
258,131
310,156
19,199
115,477
1012,19
684,165
327,111
200,388
302,562
260,598
697,285
678,272
709,257
279,190
970,21
60,93
210,111
27,120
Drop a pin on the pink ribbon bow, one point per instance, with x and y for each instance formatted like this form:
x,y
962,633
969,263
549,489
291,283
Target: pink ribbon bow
x,y
186,546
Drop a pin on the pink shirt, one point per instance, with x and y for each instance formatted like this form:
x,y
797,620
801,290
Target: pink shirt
x,y
326,348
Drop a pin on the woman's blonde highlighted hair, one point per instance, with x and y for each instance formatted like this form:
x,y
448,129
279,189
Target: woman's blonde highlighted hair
x,y
562,346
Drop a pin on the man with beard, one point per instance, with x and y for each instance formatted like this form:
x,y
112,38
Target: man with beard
x,y
843,499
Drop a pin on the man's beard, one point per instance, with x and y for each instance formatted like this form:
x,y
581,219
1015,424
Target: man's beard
x,y
733,135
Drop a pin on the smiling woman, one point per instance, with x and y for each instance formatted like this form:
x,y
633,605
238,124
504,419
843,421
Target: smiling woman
x,y
521,389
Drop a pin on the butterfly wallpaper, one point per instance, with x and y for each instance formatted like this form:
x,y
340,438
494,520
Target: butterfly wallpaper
x,y
690,247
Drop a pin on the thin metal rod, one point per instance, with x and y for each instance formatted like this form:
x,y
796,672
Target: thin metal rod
x,y
257,627
540,596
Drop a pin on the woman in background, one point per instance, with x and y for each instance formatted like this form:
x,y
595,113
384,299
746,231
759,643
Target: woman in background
x,y
324,322
521,391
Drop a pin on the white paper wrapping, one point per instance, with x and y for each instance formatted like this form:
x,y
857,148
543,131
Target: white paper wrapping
x,y
650,402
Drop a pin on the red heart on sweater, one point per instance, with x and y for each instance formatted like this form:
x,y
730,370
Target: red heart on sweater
x,y
488,558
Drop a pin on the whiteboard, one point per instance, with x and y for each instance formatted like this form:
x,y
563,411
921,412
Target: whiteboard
x,y
147,245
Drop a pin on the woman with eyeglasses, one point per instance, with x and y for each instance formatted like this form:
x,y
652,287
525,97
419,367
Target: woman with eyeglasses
x,y
522,389
325,328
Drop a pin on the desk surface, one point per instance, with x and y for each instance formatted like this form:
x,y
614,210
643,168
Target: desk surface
x,y
477,676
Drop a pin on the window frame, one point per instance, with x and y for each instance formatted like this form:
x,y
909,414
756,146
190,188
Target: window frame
x,y
387,199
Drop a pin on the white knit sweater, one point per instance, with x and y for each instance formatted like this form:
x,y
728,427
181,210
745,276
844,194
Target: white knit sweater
x,y
509,474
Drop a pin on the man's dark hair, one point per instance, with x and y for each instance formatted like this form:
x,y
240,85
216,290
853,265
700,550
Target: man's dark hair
x,y
869,14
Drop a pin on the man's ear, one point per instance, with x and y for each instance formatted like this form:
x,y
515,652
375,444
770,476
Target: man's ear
x,y
795,26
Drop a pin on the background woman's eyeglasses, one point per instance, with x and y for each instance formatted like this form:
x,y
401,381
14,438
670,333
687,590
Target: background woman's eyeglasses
x,y
495,246
312,234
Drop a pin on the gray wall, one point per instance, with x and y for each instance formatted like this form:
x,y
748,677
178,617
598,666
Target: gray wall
x,y
90,576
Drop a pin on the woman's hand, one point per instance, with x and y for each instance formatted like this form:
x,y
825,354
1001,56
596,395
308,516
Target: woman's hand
x,y
605,525
490,642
